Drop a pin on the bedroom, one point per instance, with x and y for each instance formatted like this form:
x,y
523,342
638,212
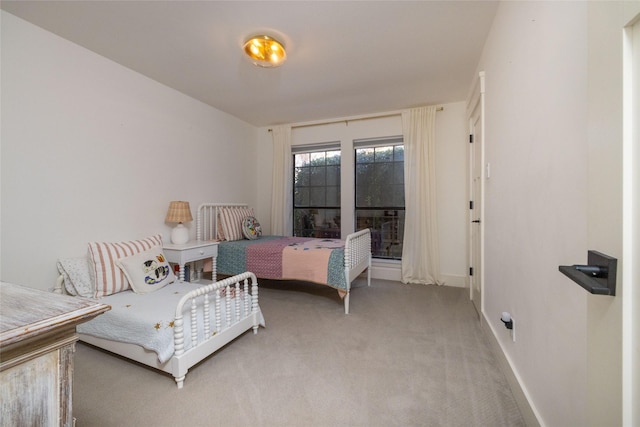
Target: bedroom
x,y
86,138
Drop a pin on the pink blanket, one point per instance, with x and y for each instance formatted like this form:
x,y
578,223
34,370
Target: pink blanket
x,y
292,258
308,260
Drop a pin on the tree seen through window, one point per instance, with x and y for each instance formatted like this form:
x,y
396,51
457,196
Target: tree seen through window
x,y
316,194
380,197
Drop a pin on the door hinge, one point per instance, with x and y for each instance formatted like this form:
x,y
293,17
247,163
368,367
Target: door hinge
x,y
470,271
470,204
471,138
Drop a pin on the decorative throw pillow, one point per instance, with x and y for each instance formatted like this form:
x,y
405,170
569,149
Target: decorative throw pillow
x,y
251,228
147,271
232,221
107,277
77,280
220,229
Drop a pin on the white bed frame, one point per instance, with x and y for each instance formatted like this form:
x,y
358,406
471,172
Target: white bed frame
x,y
222,333
357,250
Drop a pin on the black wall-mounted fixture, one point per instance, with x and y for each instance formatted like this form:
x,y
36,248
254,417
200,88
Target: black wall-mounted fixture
x,y
597,277
507,320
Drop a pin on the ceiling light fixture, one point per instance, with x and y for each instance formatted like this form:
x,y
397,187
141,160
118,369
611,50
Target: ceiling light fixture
x,y
265,51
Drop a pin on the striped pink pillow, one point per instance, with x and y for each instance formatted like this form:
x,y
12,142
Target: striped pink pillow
x,y
232,221
220,229
108,278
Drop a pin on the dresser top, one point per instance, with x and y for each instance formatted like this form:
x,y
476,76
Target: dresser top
x,y
27,312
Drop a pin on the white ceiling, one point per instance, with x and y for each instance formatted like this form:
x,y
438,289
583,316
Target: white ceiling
x,y
345,58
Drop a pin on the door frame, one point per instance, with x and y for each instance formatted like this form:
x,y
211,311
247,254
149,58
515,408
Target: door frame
x,y
631,223
475,107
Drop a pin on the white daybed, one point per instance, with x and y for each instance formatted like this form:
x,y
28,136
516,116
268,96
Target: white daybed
x,y
282,258
194,321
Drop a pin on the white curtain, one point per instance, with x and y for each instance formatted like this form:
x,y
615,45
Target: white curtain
x,y
282,182
420,253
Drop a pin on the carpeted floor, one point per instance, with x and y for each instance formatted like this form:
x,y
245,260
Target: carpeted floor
x,y
407,355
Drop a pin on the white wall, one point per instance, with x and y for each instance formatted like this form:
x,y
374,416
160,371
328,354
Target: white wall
x,y
452,145
451,152
535,215
94,151
553,138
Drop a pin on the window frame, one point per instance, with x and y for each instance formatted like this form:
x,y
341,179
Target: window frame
x,y
395,213
311,231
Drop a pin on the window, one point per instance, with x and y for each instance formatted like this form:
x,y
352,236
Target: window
x,y
379,195
316,192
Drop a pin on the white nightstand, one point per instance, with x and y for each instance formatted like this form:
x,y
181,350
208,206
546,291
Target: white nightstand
x,y
192,251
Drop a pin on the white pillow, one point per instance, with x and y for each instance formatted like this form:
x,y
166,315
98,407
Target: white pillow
x,y
77,280
147,271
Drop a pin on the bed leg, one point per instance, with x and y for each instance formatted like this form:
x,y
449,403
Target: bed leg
x,y
256,323
346,303
180,381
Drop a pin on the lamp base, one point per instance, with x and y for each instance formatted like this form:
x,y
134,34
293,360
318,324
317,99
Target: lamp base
x,y
179,235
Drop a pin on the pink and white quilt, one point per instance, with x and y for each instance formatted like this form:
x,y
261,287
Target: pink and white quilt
x,y
286,258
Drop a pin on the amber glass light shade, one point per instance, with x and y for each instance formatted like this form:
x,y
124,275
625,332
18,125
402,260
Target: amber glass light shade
x,y
265,51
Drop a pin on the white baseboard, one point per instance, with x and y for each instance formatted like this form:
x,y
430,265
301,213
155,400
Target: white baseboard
x,y
391,270
526,410
453,280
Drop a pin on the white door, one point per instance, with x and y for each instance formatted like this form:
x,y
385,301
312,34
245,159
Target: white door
x,y
476,190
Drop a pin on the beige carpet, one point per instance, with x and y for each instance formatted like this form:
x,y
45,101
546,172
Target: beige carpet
x,y
407,355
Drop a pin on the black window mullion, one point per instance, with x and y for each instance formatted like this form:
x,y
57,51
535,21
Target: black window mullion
x,y
379,196
316,217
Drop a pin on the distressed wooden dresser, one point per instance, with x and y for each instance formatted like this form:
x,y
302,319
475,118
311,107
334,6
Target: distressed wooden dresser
x,y
37,342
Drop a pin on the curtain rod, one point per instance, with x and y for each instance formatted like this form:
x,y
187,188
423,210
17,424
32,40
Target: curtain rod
x,y
346,121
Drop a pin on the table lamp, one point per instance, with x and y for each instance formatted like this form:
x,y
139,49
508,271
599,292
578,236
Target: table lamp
x,y
179,212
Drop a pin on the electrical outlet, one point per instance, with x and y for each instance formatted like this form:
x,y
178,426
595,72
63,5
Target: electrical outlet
x,y
509,323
